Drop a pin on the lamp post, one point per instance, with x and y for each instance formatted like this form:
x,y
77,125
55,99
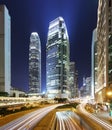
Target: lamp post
x,y
109,96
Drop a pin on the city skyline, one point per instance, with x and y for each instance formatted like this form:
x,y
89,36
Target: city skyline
x,y
35,16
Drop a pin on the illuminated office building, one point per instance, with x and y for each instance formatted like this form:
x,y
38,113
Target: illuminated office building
x,y
73,80
85,90
34,64
104,49
87,87
5,50
57,59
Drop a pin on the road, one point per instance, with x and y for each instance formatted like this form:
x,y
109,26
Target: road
x,y
102,123
65,121
28,121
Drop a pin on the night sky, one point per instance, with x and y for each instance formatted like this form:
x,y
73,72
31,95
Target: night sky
x,y
34,16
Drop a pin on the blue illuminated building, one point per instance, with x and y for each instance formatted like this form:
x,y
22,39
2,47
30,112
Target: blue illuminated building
x,y
57,60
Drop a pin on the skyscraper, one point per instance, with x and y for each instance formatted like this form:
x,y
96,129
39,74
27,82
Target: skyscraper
x,y
104,49
73,80
5,50
86,88
57,59
34,64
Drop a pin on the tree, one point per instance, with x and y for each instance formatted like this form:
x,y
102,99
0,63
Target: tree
x,y
4,94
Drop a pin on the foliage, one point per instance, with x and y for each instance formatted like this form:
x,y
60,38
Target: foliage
x,y
70,105
5,111
60,100
4,94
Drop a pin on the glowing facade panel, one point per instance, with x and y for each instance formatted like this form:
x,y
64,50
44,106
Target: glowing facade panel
x,y
57,59
34,64
94,64
5,50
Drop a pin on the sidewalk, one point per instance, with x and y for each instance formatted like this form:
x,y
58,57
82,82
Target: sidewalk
x,y
104,116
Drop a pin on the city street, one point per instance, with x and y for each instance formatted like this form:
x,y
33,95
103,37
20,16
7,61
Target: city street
x,y
28,121
65,119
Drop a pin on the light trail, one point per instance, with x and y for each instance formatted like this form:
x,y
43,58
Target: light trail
x,y
28,121
81,107
65,121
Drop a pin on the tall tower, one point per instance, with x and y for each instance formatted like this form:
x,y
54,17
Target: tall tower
x,y
5,50
57,59
73,80
34,64
104,50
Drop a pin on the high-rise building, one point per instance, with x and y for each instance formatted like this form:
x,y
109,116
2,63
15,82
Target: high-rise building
x,y
104,49
5,50
76,83
94,64
57,59
73,80
86,88
34,64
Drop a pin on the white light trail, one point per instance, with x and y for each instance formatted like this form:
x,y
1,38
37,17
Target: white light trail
x,y
99,121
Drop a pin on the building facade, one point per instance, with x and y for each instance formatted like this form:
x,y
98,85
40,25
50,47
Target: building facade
x,y
86,88
73,80
104,49
94,66
57,59
16,93
34,64
5,50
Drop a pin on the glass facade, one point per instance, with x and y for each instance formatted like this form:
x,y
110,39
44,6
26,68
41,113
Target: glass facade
x,y
73,80
57,59
110,42
5,50
94,64
34,64
86,87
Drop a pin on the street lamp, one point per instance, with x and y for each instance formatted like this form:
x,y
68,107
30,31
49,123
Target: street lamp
x,y
109,96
